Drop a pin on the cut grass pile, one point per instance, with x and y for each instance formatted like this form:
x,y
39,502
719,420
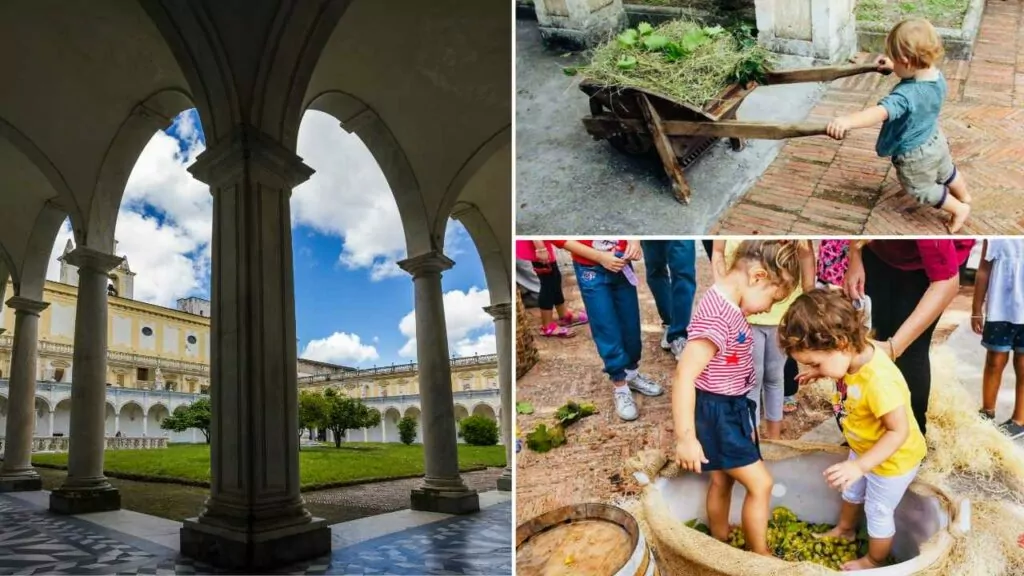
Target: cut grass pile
x,y
318,467
679,59
941,13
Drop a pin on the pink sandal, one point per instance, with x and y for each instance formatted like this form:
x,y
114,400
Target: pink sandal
x,y
553,330
573,318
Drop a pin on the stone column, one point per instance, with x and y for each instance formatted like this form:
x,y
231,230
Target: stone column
x,y
86,488
254,517
502,314
442,489
51,424
578,24
825,31
17,473
145,422
117,422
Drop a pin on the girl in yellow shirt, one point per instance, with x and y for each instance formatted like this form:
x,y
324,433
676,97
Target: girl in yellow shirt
x,y
825,333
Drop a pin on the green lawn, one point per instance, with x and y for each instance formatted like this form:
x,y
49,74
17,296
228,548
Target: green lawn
x,y
318,467
941,13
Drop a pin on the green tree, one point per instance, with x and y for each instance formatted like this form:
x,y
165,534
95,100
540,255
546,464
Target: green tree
x,y
194,415
312,410
344,413
479,431
407,430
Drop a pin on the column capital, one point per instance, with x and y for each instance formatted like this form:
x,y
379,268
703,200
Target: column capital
x,y
500,311
226,160
86,258
27,305
432,262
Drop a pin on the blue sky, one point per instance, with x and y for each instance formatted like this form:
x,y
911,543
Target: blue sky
x,y
353,305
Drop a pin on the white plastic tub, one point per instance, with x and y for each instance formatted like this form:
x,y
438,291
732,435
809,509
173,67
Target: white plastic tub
x,y
800,486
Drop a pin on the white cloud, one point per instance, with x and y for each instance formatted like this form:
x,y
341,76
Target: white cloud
x,y
468,325
348,197
340,348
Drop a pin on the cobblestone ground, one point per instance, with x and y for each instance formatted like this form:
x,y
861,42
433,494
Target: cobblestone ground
x,y
380,497
588,467
822,186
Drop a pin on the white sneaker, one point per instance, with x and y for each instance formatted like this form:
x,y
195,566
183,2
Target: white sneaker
x,y
643,384
625,406
664,338
677,347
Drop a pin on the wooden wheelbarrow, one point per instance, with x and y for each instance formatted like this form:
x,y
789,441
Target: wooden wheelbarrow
x,y
636,121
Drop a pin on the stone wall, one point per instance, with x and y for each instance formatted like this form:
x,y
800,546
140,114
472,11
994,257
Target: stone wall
x,y
61,444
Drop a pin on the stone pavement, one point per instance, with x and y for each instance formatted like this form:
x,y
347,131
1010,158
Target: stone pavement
x,y
822,186
380,497
36,541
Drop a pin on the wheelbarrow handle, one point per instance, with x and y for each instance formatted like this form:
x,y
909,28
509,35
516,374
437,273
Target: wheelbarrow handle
x,y
822,74
740,129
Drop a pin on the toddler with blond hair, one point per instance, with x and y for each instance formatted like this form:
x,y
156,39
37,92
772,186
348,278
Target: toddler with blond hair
x,y
909,116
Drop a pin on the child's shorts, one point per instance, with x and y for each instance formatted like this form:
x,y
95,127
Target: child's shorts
x,y
725,430
926,171
1003,337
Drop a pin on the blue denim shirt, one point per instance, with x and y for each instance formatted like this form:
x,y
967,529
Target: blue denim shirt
x,y
913,107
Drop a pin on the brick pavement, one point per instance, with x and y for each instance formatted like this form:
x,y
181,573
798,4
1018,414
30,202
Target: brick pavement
x,y
822,186
588,467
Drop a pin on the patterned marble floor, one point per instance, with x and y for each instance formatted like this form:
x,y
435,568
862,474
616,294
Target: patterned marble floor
x,y
34,541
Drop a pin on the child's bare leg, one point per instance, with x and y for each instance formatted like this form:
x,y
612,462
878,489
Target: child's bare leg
x,y
772,430
958,188
562,310
847,526
758,482
958,213
995,363
719,498
1018,404
878,551
546,318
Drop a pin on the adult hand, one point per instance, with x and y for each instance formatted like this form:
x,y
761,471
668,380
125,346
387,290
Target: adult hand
x,y
633,251
690,455
542,255
841,476
808,375
855,277
611,262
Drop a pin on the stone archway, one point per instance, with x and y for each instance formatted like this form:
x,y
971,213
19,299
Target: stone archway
x,y
485,410
42,424
62,417
390,418
109,420
461,413
414,413
156,415
132,417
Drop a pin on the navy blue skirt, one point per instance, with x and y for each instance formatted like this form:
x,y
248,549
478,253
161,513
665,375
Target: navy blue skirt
x,y
725,430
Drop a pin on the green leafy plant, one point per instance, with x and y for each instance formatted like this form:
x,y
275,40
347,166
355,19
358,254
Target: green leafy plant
x,y
572,412
194,415
407,430
479,431
524,408
543,439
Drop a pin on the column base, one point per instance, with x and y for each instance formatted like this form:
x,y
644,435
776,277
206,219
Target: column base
x,y
505,483
85,501
225,548
426,500
20,483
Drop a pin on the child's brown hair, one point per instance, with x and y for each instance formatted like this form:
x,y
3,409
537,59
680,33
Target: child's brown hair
x,y
777,257
916,42
823,320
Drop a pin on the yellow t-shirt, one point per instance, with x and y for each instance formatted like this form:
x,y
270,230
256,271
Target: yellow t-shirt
x,y
872,392
773,316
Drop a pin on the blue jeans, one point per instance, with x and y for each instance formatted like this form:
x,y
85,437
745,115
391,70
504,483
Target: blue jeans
x,y
672,278
614,312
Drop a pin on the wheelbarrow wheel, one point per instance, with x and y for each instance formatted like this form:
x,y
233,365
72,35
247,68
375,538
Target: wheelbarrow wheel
x,y
632,144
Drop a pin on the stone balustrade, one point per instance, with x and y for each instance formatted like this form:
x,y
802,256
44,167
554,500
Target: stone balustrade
x,y
61,443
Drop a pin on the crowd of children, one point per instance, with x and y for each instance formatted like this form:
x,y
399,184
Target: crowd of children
x,y
776,315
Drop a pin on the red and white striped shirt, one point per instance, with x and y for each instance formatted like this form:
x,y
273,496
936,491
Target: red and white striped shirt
x,y
719,321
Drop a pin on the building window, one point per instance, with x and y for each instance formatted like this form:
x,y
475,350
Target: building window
x,y
142,374
58,375
120,380
147,331
191,339
172,386
204,389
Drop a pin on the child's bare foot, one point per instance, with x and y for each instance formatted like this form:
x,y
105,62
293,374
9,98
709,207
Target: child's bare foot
x,y
865,563
960,214
838,532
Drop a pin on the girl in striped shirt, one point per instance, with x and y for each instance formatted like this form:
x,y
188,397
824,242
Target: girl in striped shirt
x,y
714,419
